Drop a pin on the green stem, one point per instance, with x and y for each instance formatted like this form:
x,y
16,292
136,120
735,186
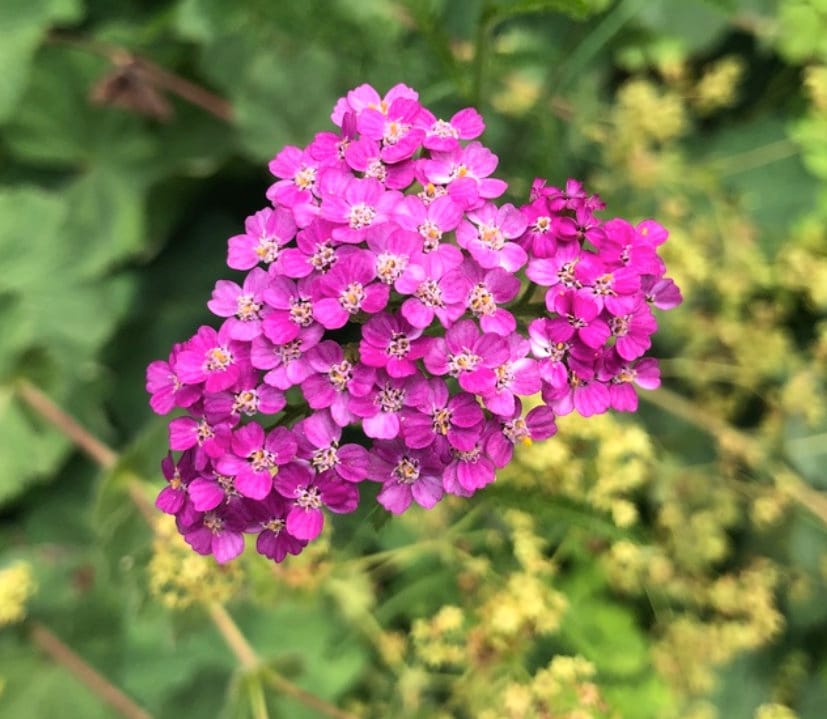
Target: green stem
x,y
482,44
607,28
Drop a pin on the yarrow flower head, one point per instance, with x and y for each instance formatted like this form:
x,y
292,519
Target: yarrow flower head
x,y
392,322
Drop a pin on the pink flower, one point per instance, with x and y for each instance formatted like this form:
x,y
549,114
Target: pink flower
x,y
516,375
391,343
355,204
621,375
348,289
487,236
425,281
431,221
291,309
256,458
213,358
242,306
299,172
407,475
465,172
265,233
309,493
468,355
166,389
395,128
442,419
319,444
287,363
334,380
578,316
444,136
537,425
483,292
365,97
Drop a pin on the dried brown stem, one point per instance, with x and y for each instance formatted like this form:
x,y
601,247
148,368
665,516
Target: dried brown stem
x,y
98,684
103,455
235,639
151,73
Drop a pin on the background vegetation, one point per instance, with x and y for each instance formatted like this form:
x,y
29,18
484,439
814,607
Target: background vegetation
x,y
667,564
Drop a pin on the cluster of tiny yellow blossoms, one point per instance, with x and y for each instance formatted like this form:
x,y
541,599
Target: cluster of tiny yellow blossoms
x,y
179,578
17,585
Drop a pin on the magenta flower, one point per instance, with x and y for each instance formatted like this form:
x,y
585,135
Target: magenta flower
x,y
334,380
617,289
662,292
407,475
588,396
211,489
537,425
172,498
425,280
468,355
256,457
431,221
558,269
355,204
265,234
247,397
319,439
578,316
365,97
465,172
381,408
166,389
311,492
208,440
287,363
384,233
623,245
517,375
316,251
633,332
369,158
291,309
218,532
348,289
268,518
391,343
550,353
298,171
242,306
545,229
487,236
444,136
395,128
213,358
438,418
393,249
482,291
471,469
621,375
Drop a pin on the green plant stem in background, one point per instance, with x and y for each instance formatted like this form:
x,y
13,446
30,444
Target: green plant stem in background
x,y
51,644
748,448
247,657
603,31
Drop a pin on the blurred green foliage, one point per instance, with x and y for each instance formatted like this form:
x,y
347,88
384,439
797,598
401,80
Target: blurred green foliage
x,y
670,564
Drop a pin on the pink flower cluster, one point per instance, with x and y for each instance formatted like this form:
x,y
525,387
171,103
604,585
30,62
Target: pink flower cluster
x,y
383,332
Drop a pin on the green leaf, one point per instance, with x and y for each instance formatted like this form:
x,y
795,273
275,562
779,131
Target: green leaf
x,y
608,635
23,23
73,132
